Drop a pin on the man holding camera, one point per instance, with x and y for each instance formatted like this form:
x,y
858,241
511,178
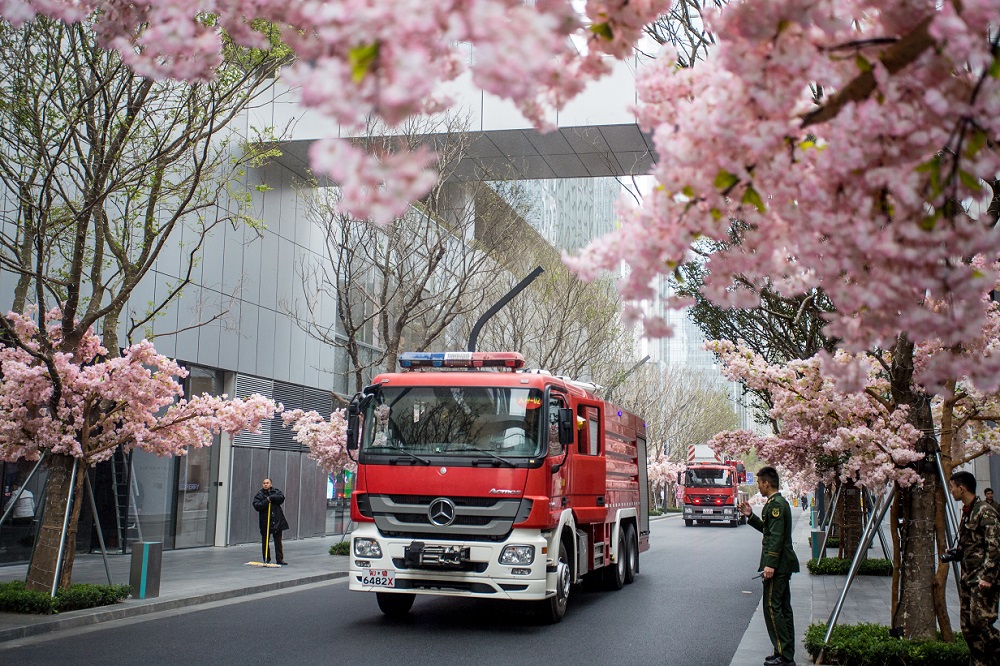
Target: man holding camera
x,y
777,564
978,550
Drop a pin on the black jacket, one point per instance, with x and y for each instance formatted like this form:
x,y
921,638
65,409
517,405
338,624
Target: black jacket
x,y
275,498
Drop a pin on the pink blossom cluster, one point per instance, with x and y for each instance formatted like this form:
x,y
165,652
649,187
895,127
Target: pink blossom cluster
x,y
824,432
99,403
389,59
843,134
663,471
325,439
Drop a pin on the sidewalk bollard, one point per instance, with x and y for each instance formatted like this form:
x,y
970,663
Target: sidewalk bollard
x,y
147,558
817,541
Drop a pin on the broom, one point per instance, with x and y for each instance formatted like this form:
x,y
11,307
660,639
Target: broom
x,y
267,543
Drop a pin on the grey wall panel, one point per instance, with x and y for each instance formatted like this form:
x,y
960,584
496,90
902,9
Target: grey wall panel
x,y
313,511
289,282
310,360
297,348
234,270
191,311
281,348
165,323
251,266
259,472
214,250
272,200
265,343
268,271
230,340
293,496
249,325
209,335
240,519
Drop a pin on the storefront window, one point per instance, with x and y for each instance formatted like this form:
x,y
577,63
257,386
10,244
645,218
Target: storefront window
x,y
18,532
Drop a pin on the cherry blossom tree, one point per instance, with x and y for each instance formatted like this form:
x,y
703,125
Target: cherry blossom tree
x,y
78,406
325,439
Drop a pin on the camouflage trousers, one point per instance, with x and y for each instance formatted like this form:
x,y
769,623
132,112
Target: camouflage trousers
x,y
978,615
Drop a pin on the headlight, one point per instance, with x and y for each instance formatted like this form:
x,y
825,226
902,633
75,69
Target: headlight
x,y
517,555
367,548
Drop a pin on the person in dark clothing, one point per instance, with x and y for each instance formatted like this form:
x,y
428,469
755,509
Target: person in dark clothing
x,y
269,496
777,562
978,550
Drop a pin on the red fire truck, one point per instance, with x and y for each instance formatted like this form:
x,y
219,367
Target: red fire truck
x,y
477,478
712,487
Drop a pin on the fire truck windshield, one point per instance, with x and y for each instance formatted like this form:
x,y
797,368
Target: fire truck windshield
x,y
707,478
455,421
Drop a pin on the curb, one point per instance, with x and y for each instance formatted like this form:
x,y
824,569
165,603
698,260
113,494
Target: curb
x,y
90,617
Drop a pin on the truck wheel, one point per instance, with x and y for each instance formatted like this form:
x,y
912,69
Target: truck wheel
x,y
614,575
394,605
688,523
632,554
734,523
554,608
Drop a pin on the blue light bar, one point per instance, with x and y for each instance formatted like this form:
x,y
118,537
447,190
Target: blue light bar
x,y
411,360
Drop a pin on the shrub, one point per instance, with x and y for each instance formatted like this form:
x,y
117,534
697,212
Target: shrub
x,y
673,509
836,566
14,598
655,512
831,542
80,596
871,645
341,548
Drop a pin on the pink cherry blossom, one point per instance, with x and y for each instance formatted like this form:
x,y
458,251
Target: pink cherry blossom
x,y
325,439
100,403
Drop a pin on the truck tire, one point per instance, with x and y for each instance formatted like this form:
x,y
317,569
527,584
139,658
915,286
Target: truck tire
x,y
688,522
614,574
734,523
632,554
394,604
554,608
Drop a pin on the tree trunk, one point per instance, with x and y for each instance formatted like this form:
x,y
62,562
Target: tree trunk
x,y
58,490
915,613
853,520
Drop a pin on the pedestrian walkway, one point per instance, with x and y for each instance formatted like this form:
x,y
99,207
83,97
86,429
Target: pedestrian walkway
x,y
814,598
188,577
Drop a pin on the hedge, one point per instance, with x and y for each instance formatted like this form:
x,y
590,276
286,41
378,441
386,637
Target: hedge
x,y
341,548
872,645
14,598
837,566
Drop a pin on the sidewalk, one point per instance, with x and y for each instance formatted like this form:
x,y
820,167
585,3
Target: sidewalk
x,y
189,577
814,598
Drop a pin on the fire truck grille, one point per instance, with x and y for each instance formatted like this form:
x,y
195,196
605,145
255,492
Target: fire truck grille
x,y
474,519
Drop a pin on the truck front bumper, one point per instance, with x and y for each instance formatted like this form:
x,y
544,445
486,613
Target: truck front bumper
x,y
452,567
716,513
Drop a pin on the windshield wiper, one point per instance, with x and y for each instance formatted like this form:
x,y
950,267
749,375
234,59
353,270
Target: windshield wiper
x,y
491,455
393,461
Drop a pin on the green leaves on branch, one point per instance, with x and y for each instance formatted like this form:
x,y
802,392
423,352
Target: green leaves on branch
x,y
725,180
752,197
361,59
602,30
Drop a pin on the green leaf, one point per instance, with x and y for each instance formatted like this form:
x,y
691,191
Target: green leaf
x,y
716,214
976,142
688,191
724,180
602,30
929,222
970,181
995,68
862,63
752,197
361,59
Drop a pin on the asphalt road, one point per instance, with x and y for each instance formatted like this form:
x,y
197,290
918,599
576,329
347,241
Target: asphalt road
x,y
690,605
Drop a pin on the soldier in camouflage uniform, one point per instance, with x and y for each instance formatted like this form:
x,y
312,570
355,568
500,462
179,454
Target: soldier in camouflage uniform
x,y
778,563
979,587
988,498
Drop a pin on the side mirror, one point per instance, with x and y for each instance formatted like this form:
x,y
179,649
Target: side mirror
x,y
566,426
353,412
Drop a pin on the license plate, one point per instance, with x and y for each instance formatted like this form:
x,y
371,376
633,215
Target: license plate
x,y
378,577
709,510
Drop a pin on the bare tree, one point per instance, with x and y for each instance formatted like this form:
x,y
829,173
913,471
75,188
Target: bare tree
x,y
100,169
399,288
683,28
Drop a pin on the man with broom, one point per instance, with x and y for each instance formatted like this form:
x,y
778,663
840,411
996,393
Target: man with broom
x,y
267,502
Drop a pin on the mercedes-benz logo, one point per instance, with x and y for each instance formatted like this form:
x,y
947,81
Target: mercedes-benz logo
x,y
441,512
